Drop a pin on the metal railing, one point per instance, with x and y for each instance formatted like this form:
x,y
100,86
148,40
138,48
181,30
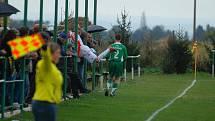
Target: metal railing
x,y
132,66
8,90
213,63
10,84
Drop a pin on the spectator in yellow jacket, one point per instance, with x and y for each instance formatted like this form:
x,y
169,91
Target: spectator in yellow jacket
x,y
49,81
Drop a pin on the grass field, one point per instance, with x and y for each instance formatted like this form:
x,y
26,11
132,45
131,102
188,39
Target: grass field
x,y
139,98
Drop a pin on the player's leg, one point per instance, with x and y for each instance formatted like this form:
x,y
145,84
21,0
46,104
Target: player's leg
x,y
117,74
109,86
114,89
110,80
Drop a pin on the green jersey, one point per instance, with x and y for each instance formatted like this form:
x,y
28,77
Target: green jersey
x,y
120,54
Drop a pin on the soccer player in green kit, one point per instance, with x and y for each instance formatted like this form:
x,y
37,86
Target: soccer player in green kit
x,y
116,66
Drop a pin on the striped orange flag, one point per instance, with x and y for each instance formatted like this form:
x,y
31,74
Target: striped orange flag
x,y
22,46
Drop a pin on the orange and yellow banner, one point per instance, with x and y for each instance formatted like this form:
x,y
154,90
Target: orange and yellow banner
x,y
22,46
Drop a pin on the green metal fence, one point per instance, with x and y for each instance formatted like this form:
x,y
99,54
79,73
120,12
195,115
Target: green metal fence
x,y
41,11
213,63
8,87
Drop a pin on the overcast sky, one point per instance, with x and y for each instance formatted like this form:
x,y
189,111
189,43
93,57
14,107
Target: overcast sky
x,y
166,12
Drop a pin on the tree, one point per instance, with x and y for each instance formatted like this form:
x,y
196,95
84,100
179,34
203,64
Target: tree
x,y
178,57
124,28
124,24
210,35
158,32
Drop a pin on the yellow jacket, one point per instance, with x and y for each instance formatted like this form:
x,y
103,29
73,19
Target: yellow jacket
x,y
48,80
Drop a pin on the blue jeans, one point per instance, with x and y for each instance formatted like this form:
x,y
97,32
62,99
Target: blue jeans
x,y
44,111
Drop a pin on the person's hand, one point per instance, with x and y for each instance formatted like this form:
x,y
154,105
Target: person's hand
x,y
97,60
112,49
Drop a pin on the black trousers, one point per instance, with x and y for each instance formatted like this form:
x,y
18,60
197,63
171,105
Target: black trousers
x,y
75,84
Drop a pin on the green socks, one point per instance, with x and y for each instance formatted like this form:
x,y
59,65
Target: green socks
x,y
114,88
109,84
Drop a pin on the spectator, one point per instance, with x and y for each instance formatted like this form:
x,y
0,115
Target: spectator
x,y
36,28
62,38
23,31
10,35
35,57
48,84
18,66
74,79
10,70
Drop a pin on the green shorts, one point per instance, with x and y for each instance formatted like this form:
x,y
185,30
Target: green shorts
x,y
116,69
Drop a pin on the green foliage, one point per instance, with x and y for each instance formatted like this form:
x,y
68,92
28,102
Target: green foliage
x,y
204,60
133,50
210,35
178,57
124,24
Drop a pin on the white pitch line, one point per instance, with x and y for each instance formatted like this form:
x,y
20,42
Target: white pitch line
x,y
171,102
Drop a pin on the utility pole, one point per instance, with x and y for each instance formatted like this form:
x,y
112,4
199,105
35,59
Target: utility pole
x,y
194,39
213,62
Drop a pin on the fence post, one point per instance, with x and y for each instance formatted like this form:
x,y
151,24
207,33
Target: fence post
x,y
132,68
41,16
66,30
55,21
94,63
101,79
76,34
95,12
85,28
94,76
125,71
213,54
65,77
139,69
5,20
3,89
25,13
66,16
23,84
